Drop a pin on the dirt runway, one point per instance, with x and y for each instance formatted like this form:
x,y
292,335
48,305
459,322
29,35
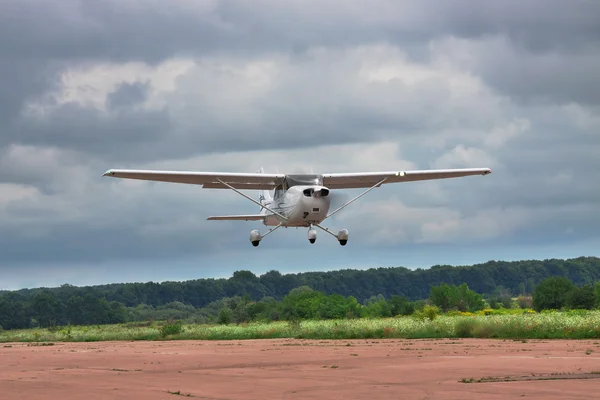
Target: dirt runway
x,y
303,369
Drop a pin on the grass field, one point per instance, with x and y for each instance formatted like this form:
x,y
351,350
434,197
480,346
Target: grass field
x,y
556,325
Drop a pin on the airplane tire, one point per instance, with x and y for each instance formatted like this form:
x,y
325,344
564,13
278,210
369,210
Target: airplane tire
x,y
312,240
256,243
343,242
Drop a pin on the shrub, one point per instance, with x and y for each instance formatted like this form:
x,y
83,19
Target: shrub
x,y
225,316
294,324
464,328
579,312
171,328
524,302
455,313
428,311
473,328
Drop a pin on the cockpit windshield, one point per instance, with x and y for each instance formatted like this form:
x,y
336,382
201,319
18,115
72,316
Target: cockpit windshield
x,y
301,180
297,180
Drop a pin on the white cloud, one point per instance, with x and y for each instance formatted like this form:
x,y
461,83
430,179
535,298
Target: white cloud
x,y
89,84
377,156
391,222
11,192
484,225
465,157
239,86
585,118
500,135
560,178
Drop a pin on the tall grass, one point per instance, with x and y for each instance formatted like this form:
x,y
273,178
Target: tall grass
x,y
553,325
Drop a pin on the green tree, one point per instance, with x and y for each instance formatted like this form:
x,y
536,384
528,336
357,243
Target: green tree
x,y
302,303
75,310
13,313
46,308
582,298
117,313
225,316
500,297
469,300
552,293
334,306
378,309
451,297
202,299
597,294
443,296
267,309
400,305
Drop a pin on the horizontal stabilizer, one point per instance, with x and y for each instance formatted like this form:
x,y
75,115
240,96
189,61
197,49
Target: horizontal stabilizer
x,y
249,217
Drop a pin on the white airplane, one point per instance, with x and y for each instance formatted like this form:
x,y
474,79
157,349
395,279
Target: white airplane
x,y
298,200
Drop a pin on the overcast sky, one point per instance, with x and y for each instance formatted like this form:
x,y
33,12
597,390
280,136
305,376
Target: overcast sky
x,y
335,86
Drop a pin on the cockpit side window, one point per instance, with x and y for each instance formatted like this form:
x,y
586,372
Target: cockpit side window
x,y
278,191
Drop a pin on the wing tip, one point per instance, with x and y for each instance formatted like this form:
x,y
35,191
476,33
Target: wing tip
x,y
109,172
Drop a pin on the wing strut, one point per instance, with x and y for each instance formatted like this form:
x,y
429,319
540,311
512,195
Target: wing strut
x,y
326,230
271,230
252,200
356,198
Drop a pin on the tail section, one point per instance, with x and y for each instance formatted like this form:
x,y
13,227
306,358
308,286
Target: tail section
x,y
265,196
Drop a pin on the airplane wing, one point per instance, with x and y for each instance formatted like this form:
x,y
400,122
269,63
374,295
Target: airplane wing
x,y
368,179
248,217
209,180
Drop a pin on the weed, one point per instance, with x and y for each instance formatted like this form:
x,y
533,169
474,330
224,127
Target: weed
x,y
171,328
518,327
178,393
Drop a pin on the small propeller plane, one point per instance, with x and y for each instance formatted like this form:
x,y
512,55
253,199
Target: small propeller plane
x,y
298,200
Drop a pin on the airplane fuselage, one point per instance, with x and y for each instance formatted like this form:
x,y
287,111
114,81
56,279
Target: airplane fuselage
x,y
302,205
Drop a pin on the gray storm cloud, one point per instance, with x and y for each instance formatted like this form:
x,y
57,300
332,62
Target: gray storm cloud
x,y
87,86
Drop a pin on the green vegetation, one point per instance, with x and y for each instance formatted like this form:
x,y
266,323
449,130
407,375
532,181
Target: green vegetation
x,y
525,325
341,304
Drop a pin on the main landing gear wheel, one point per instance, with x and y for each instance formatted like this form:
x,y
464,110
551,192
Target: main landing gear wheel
x,y
255,238
312,235
342,237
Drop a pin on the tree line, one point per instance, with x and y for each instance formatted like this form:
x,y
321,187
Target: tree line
x,y
375,292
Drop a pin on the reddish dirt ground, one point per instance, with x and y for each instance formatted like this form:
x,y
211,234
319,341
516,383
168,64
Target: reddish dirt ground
x,y
301,369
